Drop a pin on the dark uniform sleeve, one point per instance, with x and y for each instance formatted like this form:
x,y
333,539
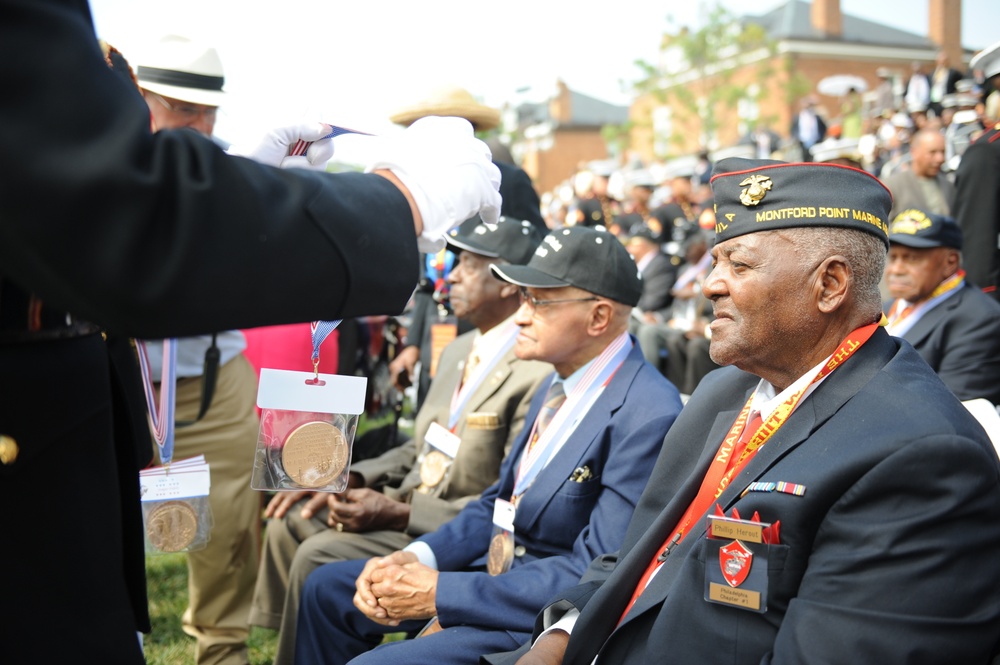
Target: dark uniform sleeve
x,y
977,210
165,235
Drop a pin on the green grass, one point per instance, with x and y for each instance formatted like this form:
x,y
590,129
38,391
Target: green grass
x,y
166,580
168,644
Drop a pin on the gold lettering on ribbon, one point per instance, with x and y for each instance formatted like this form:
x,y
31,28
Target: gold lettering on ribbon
x,y
726,449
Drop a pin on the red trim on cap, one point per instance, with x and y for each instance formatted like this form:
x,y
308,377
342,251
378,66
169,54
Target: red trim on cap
x,y
786,164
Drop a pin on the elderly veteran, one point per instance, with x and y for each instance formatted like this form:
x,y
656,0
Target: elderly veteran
x,y
953,325
474,409
844,506
564,494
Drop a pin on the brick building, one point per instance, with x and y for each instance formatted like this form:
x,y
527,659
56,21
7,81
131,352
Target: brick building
x,y
810,41
554,137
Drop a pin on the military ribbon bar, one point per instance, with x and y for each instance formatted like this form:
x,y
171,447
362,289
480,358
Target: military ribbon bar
x,y
786,488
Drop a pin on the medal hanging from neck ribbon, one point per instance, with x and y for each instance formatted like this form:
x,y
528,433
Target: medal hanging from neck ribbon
x,y
320,330
160,413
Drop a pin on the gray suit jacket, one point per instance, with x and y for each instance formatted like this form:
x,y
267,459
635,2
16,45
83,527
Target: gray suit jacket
x,y
498,408
907,192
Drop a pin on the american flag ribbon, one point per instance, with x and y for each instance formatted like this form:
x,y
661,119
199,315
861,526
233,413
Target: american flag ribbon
x,y
300,146
161,415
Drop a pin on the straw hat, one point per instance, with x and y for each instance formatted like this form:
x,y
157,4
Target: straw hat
x,y
180,68
451,102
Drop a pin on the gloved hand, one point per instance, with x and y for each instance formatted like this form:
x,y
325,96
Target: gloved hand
x,y
448,171
274,148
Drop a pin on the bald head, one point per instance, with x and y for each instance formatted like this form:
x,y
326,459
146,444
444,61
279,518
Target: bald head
x,y
927,150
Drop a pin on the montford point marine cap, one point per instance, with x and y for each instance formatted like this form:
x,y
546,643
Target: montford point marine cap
x,y
584,257
513,240
754,195
922,230
179,68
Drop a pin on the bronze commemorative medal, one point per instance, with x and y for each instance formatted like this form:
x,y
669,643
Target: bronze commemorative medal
x,y
314,454
172,526
501,553
433,468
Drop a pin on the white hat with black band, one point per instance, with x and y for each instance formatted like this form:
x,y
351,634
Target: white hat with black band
x,y
179,68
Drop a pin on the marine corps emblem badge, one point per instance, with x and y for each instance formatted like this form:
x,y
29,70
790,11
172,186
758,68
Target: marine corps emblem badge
x,y
735,560
754,189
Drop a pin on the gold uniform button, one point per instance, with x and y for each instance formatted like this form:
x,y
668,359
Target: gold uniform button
x,y
8,449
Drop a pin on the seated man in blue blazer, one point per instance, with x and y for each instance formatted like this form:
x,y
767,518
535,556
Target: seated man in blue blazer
x,y
564,493
953,325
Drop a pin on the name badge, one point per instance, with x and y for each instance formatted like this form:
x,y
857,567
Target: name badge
x,y
736,563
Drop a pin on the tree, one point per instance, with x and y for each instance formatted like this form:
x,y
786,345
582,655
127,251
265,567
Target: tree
x,y
695,73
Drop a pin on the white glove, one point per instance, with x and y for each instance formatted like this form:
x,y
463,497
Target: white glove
x,y
448,171
276,145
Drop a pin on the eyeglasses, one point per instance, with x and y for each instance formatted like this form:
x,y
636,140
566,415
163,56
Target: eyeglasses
x,y
534,303
187,112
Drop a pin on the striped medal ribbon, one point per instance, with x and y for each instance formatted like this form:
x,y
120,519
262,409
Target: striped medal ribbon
x,y
160,413
300,146
319,331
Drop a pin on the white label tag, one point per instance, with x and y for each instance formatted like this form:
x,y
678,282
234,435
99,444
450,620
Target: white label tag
x,y
445,441
185,479
503,514
284,390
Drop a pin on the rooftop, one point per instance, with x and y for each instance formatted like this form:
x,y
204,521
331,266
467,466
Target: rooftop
x,y
792,21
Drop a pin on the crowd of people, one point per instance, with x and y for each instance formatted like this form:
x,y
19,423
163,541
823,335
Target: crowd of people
x,y
715,416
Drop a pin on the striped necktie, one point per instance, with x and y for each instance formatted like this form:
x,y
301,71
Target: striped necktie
x,y
553,400
470,367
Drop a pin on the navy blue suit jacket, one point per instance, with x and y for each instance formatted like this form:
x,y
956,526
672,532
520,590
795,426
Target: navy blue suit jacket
x,y
561,524
960,340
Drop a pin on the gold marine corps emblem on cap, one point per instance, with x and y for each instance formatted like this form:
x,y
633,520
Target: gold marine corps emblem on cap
x,y
909,222
754,189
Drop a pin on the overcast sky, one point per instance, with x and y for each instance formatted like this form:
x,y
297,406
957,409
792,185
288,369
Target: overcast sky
x,y
353,63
